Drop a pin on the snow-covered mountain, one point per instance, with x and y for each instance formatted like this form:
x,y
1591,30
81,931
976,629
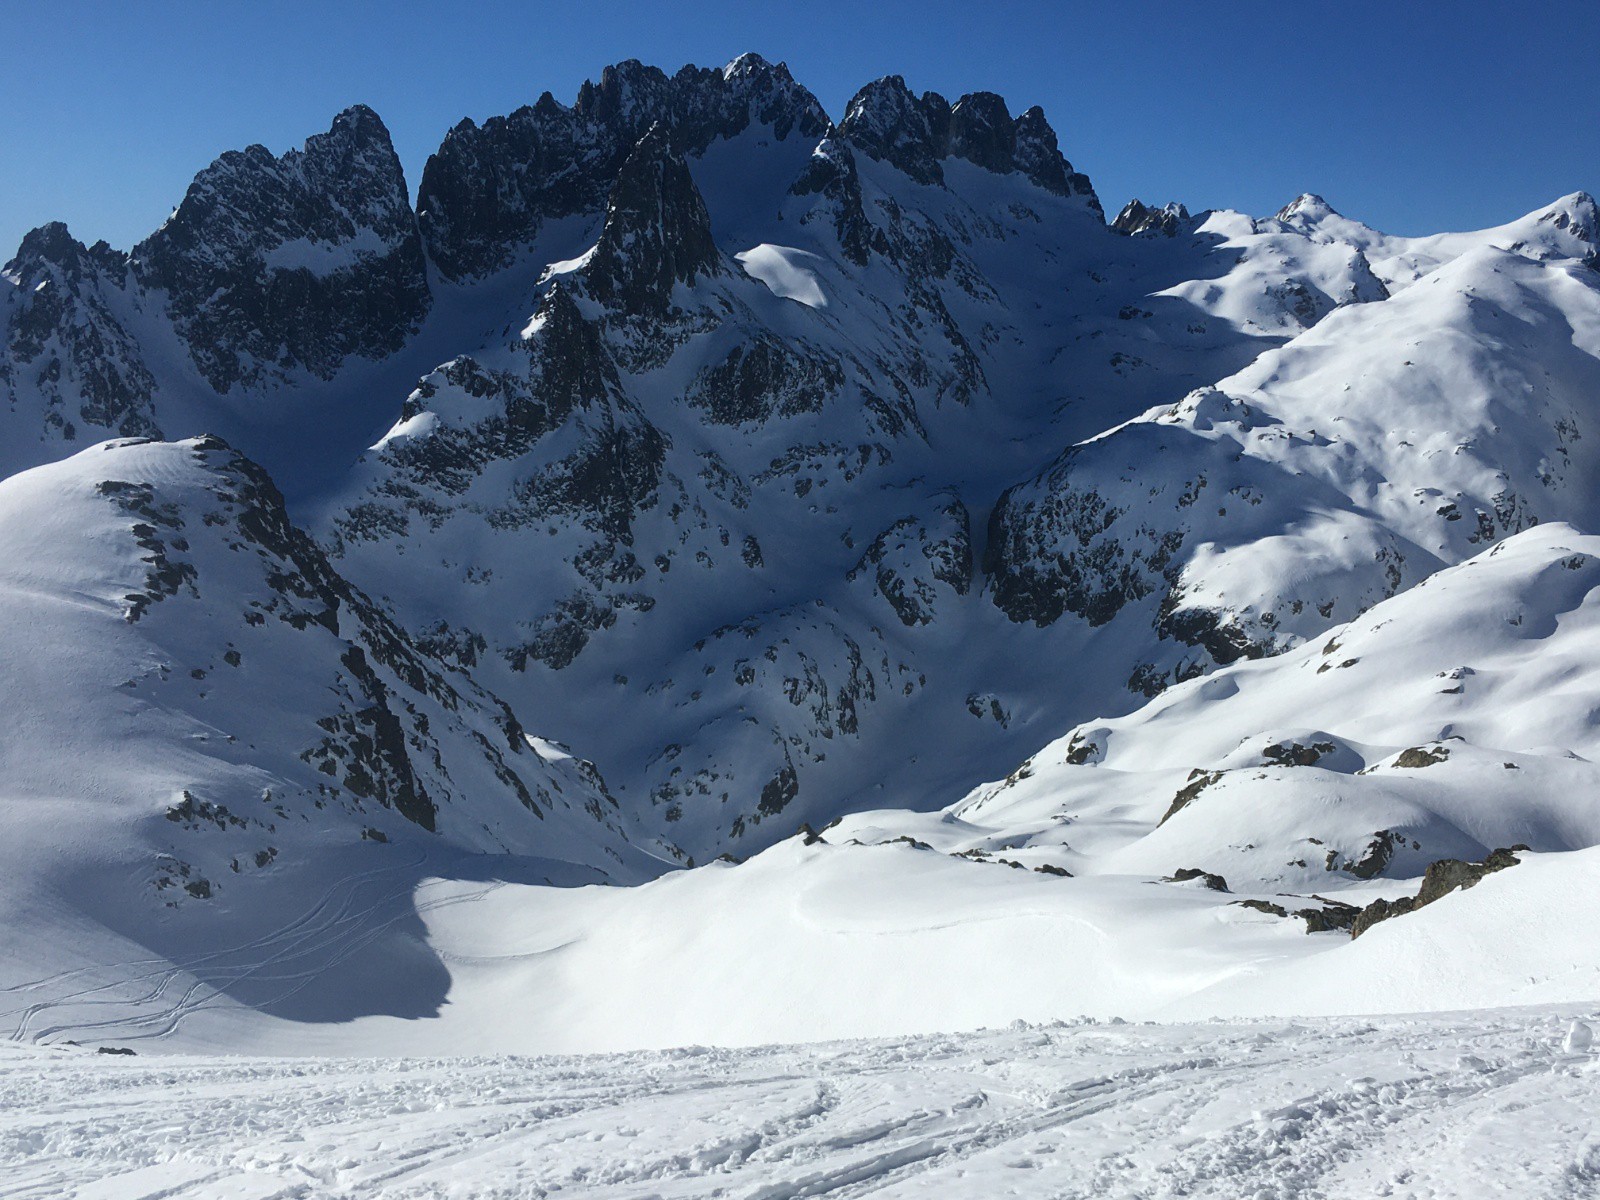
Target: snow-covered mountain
x,y
685,467
207,726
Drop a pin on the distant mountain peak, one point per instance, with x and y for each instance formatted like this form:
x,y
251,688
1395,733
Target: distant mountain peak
x,y
915,134
1308,206
1139,219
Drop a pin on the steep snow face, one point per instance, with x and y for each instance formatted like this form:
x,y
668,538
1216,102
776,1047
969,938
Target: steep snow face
x,y
207,728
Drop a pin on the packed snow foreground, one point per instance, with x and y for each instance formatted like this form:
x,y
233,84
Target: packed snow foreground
x,y
707,576
1457,1106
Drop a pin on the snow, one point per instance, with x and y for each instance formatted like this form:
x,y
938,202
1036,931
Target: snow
x,y
324,258
784,270
1462,1106
565,266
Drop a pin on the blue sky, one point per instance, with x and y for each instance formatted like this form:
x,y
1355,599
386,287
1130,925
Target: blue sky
x,y
1411,116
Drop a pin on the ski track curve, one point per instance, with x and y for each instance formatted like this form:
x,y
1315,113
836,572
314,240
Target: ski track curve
x,y
335,928
1420,1108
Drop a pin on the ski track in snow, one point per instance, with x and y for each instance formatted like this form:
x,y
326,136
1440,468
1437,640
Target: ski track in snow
x,y
331,931
1484,1104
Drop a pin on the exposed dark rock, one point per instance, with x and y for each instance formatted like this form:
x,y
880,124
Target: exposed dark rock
x,y
1422,756
832,175
1440,879
913,555
1184,874
1199,780
1374,858
1293,754
657,232
1333,916
157,532
779,791
915,134
272,264
488,190
1050,551
1139,219
64,340
764,378
1263,906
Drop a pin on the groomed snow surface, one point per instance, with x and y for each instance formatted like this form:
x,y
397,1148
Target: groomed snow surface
x,y
1498,1104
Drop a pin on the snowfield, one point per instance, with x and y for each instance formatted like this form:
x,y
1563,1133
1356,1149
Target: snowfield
x,y
1482,1105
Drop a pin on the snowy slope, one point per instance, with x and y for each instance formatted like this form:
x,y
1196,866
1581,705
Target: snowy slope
x,y
842,346
217,753
1448,721
1386,442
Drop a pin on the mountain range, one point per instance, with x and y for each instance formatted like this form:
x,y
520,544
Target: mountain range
x,y
686,477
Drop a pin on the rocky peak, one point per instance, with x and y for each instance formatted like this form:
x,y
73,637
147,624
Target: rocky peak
x,y
568,367
1138,219
706,104
51,241
62,346
1578,216
273,263
1039,157
657,232
488,190
887,122
52,250
1308,206
982,132
626,91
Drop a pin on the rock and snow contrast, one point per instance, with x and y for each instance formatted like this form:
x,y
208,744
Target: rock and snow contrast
x,y
707,573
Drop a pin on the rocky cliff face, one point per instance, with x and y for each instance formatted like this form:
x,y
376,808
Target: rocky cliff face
x,y
276,264
916,134
489,190
69,358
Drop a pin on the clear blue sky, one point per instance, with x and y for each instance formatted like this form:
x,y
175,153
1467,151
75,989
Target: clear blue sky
x,y
1414,115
